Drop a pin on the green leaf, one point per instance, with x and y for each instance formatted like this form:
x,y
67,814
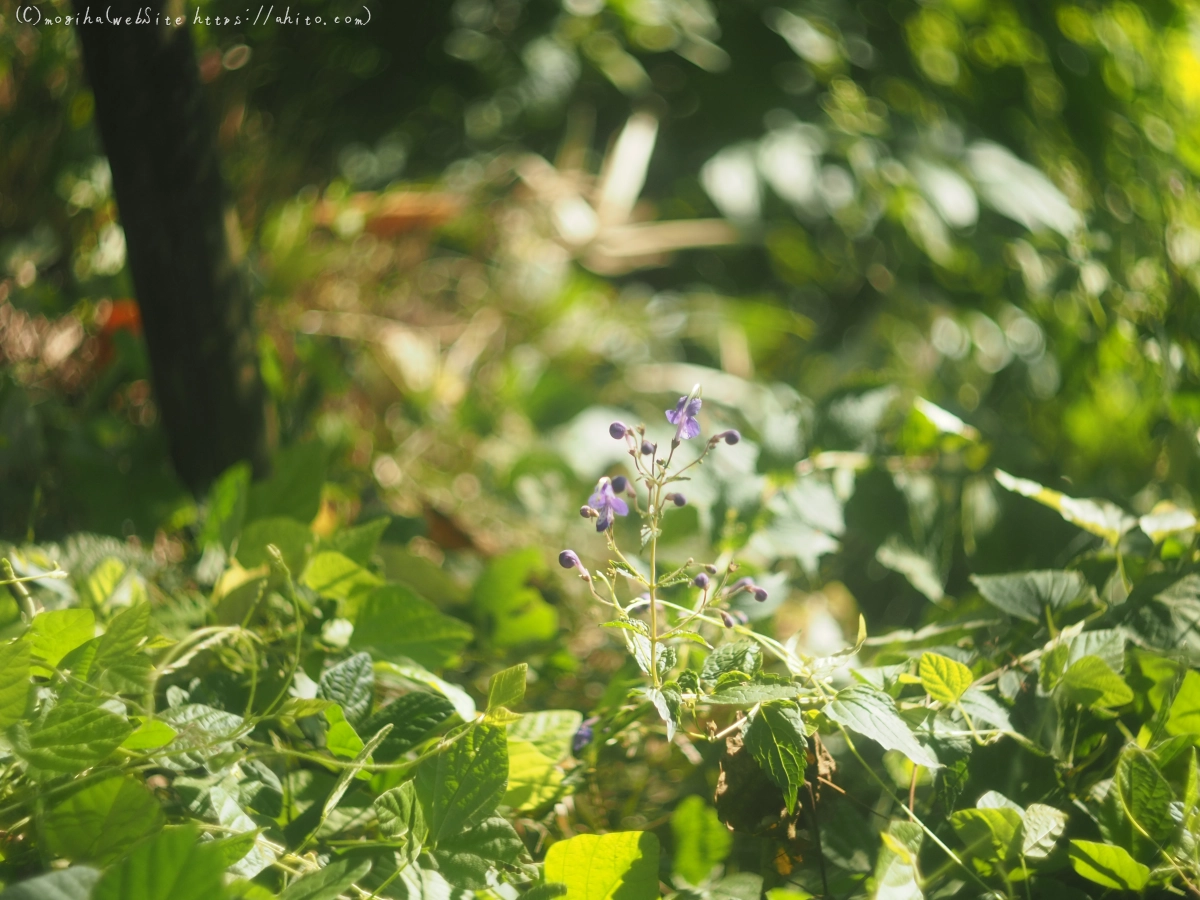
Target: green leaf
x,y
149,735
513,612
75,883
1144,794
750,694
413,718
395,622
740,656
338,578
174,865
103,581
984,709
226,506
1026,594
291,537
1044,825
402,819
896,875
533,778
622,865
1091,683
873,714
328,882
294,488
233,849
1184,714
468,858
461,786
944,679
15,666
507,687
702,842
667,703
549,891
347,774
102,821
358,543
1108,865
71,738
54,634
1100,517
991,835
350,684
778,742
551,731
202,733
120,664
341,739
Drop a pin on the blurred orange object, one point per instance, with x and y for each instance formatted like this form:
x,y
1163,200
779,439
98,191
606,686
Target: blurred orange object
x,y
114,316
396,212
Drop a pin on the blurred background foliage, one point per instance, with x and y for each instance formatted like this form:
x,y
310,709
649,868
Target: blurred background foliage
x,y
481,230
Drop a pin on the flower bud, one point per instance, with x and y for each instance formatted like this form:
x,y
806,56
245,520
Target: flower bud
x,y
569,560
618,430
760,594
731,436
677,499
746,583
701,581
647,448
727,619
710,568
587,512
584,735
619,484
741,617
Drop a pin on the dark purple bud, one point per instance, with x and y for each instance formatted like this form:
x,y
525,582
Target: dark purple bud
x,y
584,735
731,436
760,594
710,568
701,581
568,560
619,484
618,430
746,583
677,499
647,448
727,619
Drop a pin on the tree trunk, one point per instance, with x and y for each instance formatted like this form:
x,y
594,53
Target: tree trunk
x,y
195,301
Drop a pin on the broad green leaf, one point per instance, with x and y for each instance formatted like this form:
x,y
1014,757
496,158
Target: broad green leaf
x,y
102,582
944,679
550,730
737,887
226,506
1100,517
201,733
1043,826
461,786
357,543
1184,715
413,718
408,672
75,883
294,488
347,774
71,738
1026,594
1090,682
668,703
533,777
1165,520
468,858
618,866
341,739
327,883
739,656
401,819
701,842
293,539
54,634
896,874
149,735
1108,865
233,849
512,612
15,659
350,684
174,865
549,891
507,687
919,569
990,835
338,578
750,694
984,709
120,664
778,742
873,714
102,821
395,622
1144,794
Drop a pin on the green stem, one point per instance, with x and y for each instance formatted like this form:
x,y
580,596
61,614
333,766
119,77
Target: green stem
x,y
20,592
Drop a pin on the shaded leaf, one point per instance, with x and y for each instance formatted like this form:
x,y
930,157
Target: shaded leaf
x,y
779,744
872,713
328,882
701,842
1026,594
351,685
71,738
463,784
395,622
174,865
102,821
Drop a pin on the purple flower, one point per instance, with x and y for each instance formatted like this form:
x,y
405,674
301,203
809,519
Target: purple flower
x,y
608,504
569,560
619,484
684,417
618,430
584,735
700,581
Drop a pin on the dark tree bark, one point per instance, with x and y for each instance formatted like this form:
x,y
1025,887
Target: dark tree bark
x,y
194,299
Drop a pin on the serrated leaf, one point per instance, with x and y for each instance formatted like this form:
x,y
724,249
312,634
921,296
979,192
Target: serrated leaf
x,y
401,818
741,656
341,739
174,865
470,858
667,703
15,665
462,786
339,578
201,733
507,687
1044,825
329,882
873,714
990,835
1090,682
413,718
1144,794
983,708
358,543
622,865
550,731
54,634
702,842
533,778
1026,594
512,612
396,623
351,685
896,875
750,694
778,742
1108,865
944,679
100,822
72,737
75,883
120,664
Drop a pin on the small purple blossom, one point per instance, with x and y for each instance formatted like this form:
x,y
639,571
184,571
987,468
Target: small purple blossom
x,y
647,448
607,503
710,568
701,581
619,484
618,430
584,735
569,560
684,417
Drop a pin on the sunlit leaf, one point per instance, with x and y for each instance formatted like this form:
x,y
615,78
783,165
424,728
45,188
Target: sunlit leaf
x,y
622,865
944,679
1108,865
